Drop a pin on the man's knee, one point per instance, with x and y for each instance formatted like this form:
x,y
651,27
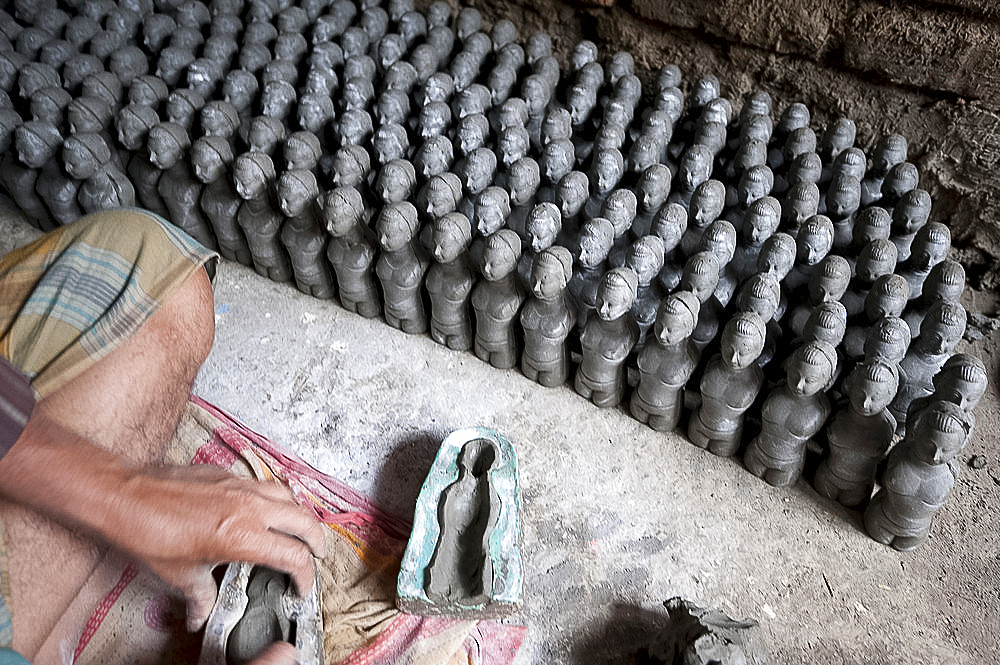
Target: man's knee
x,y
188,318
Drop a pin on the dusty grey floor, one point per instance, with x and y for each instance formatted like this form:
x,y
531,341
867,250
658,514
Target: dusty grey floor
x,y
617,518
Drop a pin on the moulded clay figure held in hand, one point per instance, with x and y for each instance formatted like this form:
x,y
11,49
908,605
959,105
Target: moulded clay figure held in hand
x,y
497,300
351,251
666,362
449,282
645,258
253,176
87,157
297,194
178,188
918,477
669,225
401,267
791,415
607,340
945,282
728,386
942,329
547,319
596,238
858,436
704,207
701,277
38,146
211,160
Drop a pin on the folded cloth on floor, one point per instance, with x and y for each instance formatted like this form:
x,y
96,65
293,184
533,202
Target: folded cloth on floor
x,y
139,621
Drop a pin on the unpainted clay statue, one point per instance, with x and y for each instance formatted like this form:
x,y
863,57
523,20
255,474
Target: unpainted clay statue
x,y
497,300
930,247
619,208
701,277
859,435
872,223
909,215
945,282
211,161
439,196
351,250
875,259
827,322
547,319
759,223
843,198
828,283
264,620
435,156
178,188
761,294
918,477
38,146
669,224
791,415
401,267
396,181
449,282
523,180
253,175
596,239
666,362
798,204
813,242
265,134
543,226
729,385
491,210
888,339
645,258
962,380
886,298
704,207
134,123
350,167
87,157
890,150
605,173
902,178
608,338
571,194
297,194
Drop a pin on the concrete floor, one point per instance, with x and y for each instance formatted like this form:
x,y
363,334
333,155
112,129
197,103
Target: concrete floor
x,y
617,518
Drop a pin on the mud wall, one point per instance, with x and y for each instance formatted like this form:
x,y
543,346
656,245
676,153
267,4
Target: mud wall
x,y
928,70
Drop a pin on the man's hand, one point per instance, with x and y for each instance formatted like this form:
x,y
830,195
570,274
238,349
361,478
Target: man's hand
x,y
180,521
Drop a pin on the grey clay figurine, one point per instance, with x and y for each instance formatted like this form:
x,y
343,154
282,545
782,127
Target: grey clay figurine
x,y
253,176
297,195
547,319
351,251
449,282
497,300
401,267
211,161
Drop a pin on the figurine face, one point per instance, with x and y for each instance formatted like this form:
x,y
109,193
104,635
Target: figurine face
x,y
478,172
673,327
813,245
889,151
843,197
879,304
394,234
594,247
608,170
805,378
498,260
777,257
870,396
644,260
934,447
448,243
654,187
547,278
740,350
700,283
557,160
571,194
619,209
828,287
613,300
543,224
754,184
471,133
394,184
206,163
706,206
163,151
759,225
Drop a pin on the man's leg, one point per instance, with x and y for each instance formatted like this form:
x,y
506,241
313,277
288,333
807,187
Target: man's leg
x,y
129,402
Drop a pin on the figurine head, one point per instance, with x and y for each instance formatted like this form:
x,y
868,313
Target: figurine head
x,y
211,156
756,127
962,380
167,143
851,162
814,240
720,239
343,210
584,52
843,196
616,293
799,141
550,272
742,340
871,386
676,318
88,114
451,236
440,195
477,169
434,157
930,246
888,340
645,152
471,132
37,142
795,116
314,111
943,327
839,136
572,192
695,167
597,236
755,183
396,181
397,225
829,281
513,113
890,150
538,46
296,192
945,281
557,124
253,172
619,209
777,255
701,275
134,123
811,368
645,257
558,159
877,258
653,187
871,223
351,165
807,167
491,210
827,322
84,155
887,297
302,151
900,179
503,249
940,432
669,224
543,225
523,180
761,293
761,220
707,203
239,88
606,170
911,211
513,144
751,152
354,127
705,90
265,133
434,120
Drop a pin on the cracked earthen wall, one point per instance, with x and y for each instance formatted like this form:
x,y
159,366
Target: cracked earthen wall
x,y
929,70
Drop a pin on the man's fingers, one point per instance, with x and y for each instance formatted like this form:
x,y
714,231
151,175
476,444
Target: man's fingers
x,y
200,594
279,653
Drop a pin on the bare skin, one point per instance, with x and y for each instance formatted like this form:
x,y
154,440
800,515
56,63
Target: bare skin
x,y
86,474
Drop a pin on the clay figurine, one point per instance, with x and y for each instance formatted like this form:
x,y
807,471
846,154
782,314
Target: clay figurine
x,y
596,238
729,385
211,161
701,277
547,319
705,205
351,250
297,193
791,415
449,282
497,300
859,435
813,242
918,477
38,146
666,362
930,247
253,175
890,150
645,258
909,215
608,338
543,226
178,188
401,267
945,282
669,225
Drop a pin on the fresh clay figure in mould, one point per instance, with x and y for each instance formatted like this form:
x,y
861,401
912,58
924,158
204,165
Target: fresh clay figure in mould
x,y
666,362
497,300
401,267
791,415
297,193
608,338
859,435
729,385
351,250
547,319
449,282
